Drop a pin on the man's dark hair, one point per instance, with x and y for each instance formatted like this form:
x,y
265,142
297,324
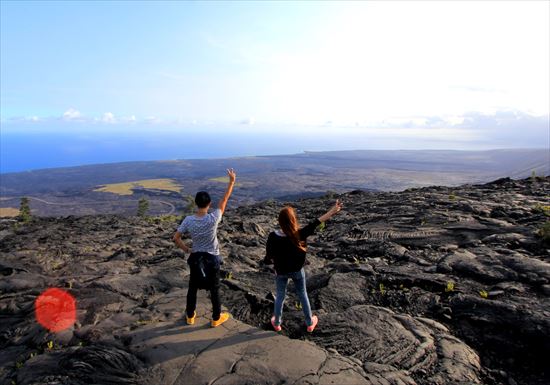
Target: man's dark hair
x,y
202,199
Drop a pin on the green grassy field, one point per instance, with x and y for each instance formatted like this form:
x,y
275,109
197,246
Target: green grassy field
x,y
8,212
126,188
224,179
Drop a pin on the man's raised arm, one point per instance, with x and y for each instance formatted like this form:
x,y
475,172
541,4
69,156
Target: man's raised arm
x,y
232,176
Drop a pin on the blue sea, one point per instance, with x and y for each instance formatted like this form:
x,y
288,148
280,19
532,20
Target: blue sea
x,y
21,151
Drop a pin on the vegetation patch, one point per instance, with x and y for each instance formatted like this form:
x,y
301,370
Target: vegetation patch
x,y
126,188
544,232
223,179
542,209
143,207
8,212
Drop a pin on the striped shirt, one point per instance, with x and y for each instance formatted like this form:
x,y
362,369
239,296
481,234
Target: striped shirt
x,y
203,231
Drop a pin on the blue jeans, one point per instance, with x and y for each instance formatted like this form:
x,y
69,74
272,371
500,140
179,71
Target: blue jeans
x,y
299,278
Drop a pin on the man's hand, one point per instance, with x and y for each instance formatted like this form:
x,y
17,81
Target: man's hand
x,y
232,175
177,239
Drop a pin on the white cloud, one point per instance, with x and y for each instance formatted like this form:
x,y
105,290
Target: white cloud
x,y
128,119
33,119
248,121
455,120
108,117
152,120
72,114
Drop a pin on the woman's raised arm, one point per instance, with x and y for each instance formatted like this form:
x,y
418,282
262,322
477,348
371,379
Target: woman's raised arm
x,y
333,211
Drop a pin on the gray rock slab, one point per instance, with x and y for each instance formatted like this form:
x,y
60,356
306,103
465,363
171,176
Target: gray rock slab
x,y
235,353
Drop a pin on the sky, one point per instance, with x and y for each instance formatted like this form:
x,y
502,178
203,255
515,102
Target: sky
x,y
463,71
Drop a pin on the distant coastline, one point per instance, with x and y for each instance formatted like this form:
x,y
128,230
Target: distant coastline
x,y
25,152
169,184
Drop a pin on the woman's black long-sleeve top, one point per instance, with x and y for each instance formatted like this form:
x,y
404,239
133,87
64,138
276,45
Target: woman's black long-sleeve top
x,y
286,256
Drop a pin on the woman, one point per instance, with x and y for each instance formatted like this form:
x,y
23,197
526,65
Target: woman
x,y
204,259
287,250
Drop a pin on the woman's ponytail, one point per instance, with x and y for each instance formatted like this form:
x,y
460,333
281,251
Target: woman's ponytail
x,y
289,225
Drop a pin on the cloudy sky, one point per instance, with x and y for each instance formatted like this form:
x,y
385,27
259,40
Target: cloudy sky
x,y
375,67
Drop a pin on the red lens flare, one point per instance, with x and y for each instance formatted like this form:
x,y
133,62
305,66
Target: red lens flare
x,y
55,310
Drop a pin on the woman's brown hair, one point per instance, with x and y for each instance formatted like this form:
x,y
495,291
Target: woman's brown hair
x,y
289,225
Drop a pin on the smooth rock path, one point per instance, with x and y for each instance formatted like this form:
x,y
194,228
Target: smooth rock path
x,y
234,353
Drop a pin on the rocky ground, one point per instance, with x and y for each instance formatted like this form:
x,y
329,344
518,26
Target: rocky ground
x,y
426,286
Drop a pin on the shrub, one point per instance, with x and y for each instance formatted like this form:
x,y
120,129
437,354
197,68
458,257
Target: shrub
x,y
544,232
190,205
331,194
541,209
143,207
169,218
25,210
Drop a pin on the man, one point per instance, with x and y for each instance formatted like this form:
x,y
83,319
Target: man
x,y
204,258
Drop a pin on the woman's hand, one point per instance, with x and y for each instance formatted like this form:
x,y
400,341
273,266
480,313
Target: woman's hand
x,y
336,208
333,211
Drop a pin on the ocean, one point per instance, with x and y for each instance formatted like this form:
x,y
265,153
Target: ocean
x,y
30,150
23,151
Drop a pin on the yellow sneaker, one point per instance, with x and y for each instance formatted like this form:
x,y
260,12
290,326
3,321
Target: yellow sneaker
x,y
223,317
191,320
